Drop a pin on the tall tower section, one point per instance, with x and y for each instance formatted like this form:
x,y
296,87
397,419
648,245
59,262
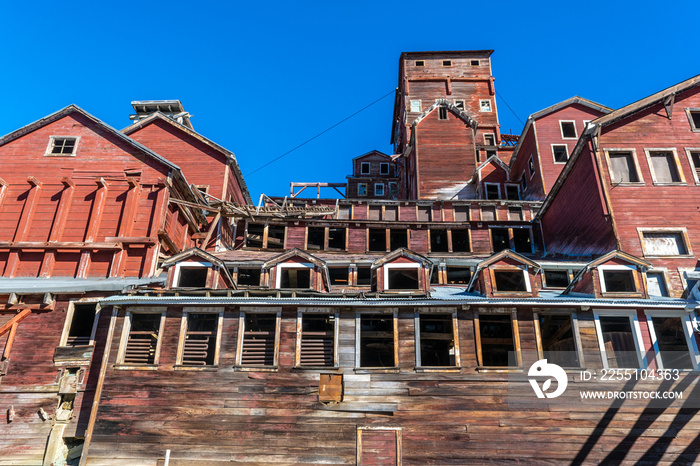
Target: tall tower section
x,y
445,123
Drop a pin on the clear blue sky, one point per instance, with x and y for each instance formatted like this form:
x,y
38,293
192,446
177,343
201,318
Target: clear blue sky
x,y
259,79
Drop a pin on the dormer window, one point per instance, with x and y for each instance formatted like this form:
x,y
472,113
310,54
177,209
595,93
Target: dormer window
x,y
402,276
62,146
192,276
618,281
294,276
511,280
248,277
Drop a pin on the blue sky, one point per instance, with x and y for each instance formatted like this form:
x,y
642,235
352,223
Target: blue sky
x,y
260,79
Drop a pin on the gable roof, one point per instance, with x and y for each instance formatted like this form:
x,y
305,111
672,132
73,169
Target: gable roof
x,y
373,152
614,254
196,252
401,252
445,103
292,253
499,162
231,158
506,253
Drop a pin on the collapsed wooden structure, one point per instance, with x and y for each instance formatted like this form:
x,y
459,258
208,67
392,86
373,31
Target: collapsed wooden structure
x,y
151,312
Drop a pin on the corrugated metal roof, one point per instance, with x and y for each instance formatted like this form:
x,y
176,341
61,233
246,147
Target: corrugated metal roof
x,y
72,285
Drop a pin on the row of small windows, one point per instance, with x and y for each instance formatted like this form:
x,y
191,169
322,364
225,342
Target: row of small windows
x,y
664,166
484,106
447,62
377,340
378,189
366,168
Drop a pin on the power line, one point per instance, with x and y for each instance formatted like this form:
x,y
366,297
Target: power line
x,y
511,110
322,132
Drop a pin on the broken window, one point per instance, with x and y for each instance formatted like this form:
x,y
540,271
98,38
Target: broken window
x,y
437,342
488,213
442,113
259,337
361,189
512,192
402,278
568,130
142,343
557,338
378,189
459,104
364,276
489,139
522,241
656,284
438,240
458,275
199,348
664,243
248,276
338,275
531,166
317,341
556,278
336,239
415,106
377,239
81,324
62,146
461,213
496,340
695,158
435,275
460,240
254,235
192,277
515,214
561,153
618,281
391,213
383,168
364,168
510,280
275,236
663,167
673,346
485,105
493,191
398,238
618,341
291,277
424,213
693,118
315,238
499,239
623,167
377,340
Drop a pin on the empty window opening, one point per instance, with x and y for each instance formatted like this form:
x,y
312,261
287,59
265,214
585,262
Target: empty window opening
x,y
435,276
398,238
694,118
143,339
438,241
317,340
420,63
442,113
618,341
460,240
496,337
200,340
377,239
275,237
248,277
568,129
437,345
512,192
193,277
62,146
383,168
695,157
364,168
664,166
523,182
254,235
295,278
461,213
531,166
447,63
499,239
558,343
315,238
493,191
364,276
561,153
489,139
656,285
556,278
339,275
474,62
259,332
459,104
81,325
623,167
619,281
378,189
515,214
671,339
336,239
458,275
485,105
403,279
510,280
522,240
377,340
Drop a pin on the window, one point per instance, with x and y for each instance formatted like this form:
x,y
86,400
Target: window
x,y
191,276
248,276
522,240
316,341
556,278
398,238
199,339
393,190
461,213
376,337
664,167
693,118
618,281
364,168
656,284
437,345
510,280
361,189
338,275
415,106
420,63
617,341
459,104
557,340
294,276
489,139
512,192
499,239
568,129
447,63
517,239
375,212
485,105
438,240
531,166
435,274
315,238
671,337
442,113
142,334
378,446
275,236
336,239
60,145
378,189
694,157
458,275
496,340
258,336
623,167
474,62
560,152
493,190
383,168
265,236
81,321
460,240
344,212
523,182
364,276
377,239
391,213
402,277
659,242
424,213
515,214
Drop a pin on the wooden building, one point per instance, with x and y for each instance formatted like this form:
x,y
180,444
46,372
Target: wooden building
x,y
364,330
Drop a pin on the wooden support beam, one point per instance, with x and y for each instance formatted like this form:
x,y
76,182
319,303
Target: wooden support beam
x,y
98,206
40,245
668,105
168,242
126,226
158,225
4,187
213,226
448,86
59,224
11,327
25,222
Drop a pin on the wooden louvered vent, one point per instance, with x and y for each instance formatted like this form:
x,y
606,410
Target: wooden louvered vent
x,y
200,340
317,340
259,340
143,339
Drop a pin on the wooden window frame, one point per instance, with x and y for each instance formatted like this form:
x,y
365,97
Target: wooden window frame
x,y
69,321
381,166
636,334
443,113
566,149
689,111
514,209
266,229
613,268
450,240
362,168
574,329
359,193
54,138
410,105
510,268
486,185
336,330
487,102
447,63
394,313
126,329
531,166
492,135
515,335
693,168
688,332
404,265
420,63
294,265
569,274
511,237
561,129
236,270
683,231
635,160
397,430
517,186
219,311
324,244
679,170
190,265
664,277
241,336
452,312
456,103
683,273
376,193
